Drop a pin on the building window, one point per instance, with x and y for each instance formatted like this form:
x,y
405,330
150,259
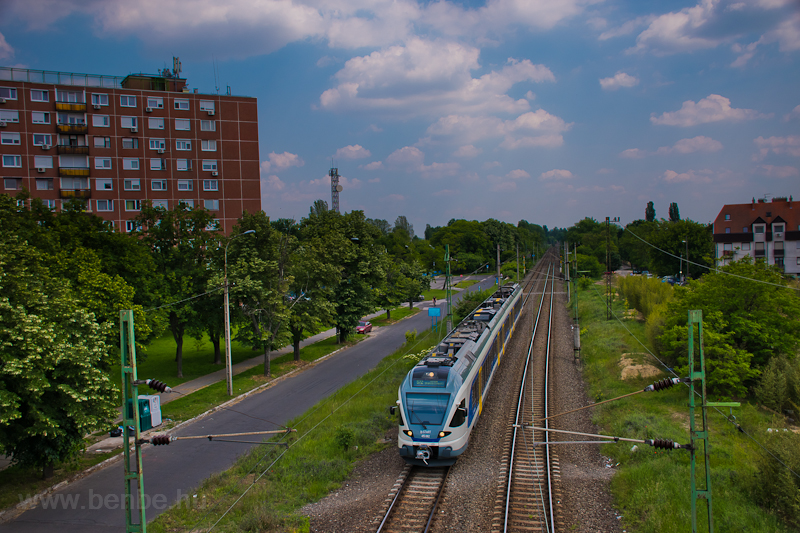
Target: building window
x,y
102,142
50,204
798,260
42,139
727,230
155,102
70,97
155,123
105,205
183,124
102,162
758,228
100,121
184,185
12,184
210,165
75,184
133,205
161,203
744,229
746,246
207,105
132,184
182,104
210,185
38,95
44,184
777,228
72,119
127,101
11,137
13,161
156,164
759,249
158,185
130,143
13,116
727,217
37,117
128,122
130,163
186,204
183,164
103,184
208,125
9,93
99,99
157,144
43,161
211,205
209,145
130,225
183,144
727,247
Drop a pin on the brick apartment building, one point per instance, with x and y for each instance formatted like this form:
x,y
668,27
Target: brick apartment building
x,y
115,142
760,229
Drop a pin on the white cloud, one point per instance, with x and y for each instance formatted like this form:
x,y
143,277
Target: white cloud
x,y
408,155
273,182
278,162
518,174
678,31
620,79
445,192
779,172
694,176
789,145
627,28
394,198
491,164
688,146
429,77
353,151
794,114
465,128
546,141
375,165
633,153
713,108
6,51
467,151
556,174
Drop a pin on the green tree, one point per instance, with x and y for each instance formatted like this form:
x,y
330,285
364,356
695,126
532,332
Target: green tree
x,y
670,237
412,282
674,212
180,242
53,390
745,322
632,247
650,212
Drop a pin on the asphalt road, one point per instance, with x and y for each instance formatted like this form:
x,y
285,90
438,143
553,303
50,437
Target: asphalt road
x,y
96,502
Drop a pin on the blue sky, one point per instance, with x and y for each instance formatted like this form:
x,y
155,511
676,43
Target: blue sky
x,y
542,110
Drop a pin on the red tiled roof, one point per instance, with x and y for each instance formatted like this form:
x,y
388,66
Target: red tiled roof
x,y
743,215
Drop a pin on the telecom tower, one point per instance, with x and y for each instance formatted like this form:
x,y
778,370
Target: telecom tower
x,y
335,188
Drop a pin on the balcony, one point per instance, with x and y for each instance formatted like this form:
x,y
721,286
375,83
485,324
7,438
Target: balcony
x,y
777,253
81,194
70,106
72,149
75,172
72,128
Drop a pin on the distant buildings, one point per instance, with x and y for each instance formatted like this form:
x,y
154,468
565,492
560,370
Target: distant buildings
x,y
760,229
115,142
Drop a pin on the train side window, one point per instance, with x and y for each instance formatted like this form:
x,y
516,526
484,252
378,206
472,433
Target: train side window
x,y
460,416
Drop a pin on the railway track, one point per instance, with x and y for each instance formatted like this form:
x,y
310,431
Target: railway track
x,y
528,495
413,501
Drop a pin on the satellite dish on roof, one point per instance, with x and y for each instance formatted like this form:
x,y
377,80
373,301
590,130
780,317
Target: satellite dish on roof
x,y
339,188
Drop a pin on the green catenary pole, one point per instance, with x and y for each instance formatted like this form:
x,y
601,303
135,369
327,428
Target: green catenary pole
x,y
698,436
448,289
130,418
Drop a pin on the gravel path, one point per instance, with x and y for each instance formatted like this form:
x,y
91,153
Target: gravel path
x,y
468,502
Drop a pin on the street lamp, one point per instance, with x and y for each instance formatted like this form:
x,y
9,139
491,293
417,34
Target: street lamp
x,y
228,368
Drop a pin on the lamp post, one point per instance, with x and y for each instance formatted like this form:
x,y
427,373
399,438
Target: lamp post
x,y
228,368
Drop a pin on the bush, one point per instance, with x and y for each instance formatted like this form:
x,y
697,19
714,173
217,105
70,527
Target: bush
x,y
779,386
644,294
469,302
344,437
411,336
774,486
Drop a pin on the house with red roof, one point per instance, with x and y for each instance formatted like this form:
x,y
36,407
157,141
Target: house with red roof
x,y
768,230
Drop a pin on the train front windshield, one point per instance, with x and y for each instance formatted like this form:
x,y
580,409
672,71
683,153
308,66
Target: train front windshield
x,y
426,408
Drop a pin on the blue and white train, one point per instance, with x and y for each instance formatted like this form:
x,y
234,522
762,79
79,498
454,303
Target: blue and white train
x,y
441,398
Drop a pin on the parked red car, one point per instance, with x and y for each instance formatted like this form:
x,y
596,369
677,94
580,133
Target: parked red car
x,y
363,327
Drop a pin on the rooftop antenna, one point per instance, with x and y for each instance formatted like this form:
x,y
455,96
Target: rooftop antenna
x,y
335,187
176,66
216,73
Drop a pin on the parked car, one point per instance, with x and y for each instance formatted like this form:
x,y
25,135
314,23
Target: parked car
x,y
363,327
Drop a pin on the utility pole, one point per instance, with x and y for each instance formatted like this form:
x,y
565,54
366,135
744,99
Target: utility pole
x,y
132,463
448,290
498,264
566,272
608,266
518,280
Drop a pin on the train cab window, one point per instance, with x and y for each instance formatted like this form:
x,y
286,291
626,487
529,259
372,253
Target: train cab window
x,y
426,376
426,408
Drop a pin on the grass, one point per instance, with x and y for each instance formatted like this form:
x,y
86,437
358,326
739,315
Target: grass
x,y
652,489
465,284
331,438
439,294
398,314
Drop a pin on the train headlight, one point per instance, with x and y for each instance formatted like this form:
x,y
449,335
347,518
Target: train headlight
x,y
443,434
409,433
